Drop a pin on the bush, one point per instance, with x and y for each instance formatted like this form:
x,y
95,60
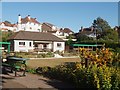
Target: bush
x,y
33,55
99,74
31,70
104,77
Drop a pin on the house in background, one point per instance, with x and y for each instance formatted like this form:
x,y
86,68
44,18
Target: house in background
x,y
90,32
46,27
62,33
25,41
59,32
28,24
6,26
24,24
66,31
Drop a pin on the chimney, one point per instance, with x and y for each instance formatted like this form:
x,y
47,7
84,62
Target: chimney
x,y
19,18
92,28
28,16
81,29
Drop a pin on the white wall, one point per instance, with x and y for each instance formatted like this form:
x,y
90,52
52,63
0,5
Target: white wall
x,y
53,28
49,46
66,34
26,48
56,48
28,25
8,27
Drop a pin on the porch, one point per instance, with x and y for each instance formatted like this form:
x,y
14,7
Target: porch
x,y
43,46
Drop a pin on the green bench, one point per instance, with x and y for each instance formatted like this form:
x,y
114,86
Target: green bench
x,y
16,64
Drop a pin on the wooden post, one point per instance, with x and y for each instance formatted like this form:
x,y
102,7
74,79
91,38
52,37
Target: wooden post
x,y
8,48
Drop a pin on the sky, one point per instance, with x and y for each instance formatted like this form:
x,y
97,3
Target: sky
x,y
60,0
71,15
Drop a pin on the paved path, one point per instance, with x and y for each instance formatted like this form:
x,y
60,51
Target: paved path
x,y
32,81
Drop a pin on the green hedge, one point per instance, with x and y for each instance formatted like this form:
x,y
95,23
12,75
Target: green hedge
x,y
108,44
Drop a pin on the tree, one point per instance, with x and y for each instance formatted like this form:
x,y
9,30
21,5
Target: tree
x,y
111,36
101,24
118,33
104,31
5,35
83,38
70,37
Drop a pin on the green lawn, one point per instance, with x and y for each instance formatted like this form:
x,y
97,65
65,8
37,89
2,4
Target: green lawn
x,y
34,63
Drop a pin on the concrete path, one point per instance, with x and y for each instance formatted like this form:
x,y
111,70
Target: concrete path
x,y
32,81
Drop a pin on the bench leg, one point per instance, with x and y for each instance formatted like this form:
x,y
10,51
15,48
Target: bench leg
x,y
24,73
24,70
11,70
15,73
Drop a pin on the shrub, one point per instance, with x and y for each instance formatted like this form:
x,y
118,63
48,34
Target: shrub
x,y
31,70
104,77
101,73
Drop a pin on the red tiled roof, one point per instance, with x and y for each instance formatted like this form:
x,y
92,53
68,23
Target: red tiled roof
x,y
8,24
26,19
4,29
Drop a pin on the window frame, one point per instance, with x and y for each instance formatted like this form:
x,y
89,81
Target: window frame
x,y
59,45
21,43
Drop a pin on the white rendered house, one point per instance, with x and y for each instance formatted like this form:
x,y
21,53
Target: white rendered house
x,y
28,24
25,41
5,26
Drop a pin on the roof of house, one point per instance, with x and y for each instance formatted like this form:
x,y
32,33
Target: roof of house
x,y
35,36
26,19
4,29
86,31
67,30
8,24
48,24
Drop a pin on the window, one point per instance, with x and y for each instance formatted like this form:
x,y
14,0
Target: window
x,y
59,45
45,46
22,43
30,44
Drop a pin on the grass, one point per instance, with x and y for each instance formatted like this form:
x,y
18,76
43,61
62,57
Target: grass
x,y
34,63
